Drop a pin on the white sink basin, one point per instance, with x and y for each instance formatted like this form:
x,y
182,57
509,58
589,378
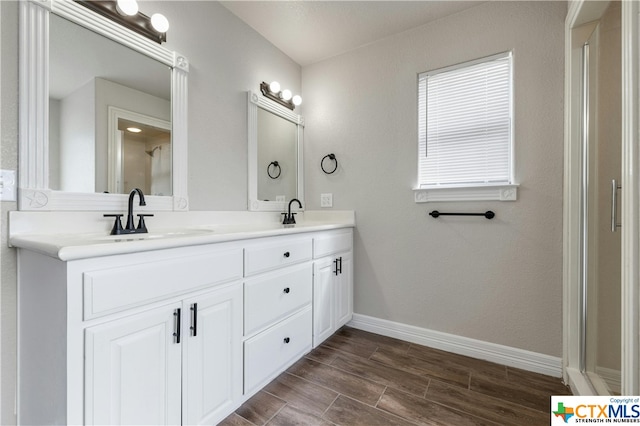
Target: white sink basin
x,y
156,235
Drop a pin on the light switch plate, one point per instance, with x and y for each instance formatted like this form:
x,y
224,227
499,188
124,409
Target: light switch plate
x,y
326,200
8,185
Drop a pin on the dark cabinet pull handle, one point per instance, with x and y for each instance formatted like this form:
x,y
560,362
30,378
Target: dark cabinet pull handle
x,y
176,332
287,290
336,263
194,319
340,263
287,340
286,254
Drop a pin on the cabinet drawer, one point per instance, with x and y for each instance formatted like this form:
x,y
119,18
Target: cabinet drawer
x,y
332,242
116,289
276,295
275,253
268,353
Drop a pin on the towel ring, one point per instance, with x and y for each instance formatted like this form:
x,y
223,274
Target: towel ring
x,y
330,157
275,166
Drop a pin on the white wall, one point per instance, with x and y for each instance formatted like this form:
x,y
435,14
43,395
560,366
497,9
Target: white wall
x,y
498,281
77,140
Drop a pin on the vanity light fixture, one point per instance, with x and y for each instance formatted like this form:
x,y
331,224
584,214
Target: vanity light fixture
x,y
284,98
125,13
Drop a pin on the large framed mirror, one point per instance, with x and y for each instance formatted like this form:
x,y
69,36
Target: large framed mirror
x,y
86,84
275,154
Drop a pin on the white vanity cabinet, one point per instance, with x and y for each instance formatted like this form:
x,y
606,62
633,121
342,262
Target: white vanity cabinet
x,y
278,307
178,335
332,282
144,338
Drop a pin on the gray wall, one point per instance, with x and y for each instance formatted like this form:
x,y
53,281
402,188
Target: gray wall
x,y
227,58
8,160
498,281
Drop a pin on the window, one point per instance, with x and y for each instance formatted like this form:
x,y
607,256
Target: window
x,y
464,131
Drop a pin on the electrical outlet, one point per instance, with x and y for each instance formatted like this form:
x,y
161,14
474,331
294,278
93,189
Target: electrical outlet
x,y
326,200
280,198
8,185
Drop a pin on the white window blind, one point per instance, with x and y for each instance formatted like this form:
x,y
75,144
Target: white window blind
x,y
464,125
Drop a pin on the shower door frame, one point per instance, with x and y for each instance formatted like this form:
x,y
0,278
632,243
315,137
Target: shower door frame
x,y
582,12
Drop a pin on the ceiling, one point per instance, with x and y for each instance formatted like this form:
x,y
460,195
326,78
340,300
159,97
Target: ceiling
x,y
310,31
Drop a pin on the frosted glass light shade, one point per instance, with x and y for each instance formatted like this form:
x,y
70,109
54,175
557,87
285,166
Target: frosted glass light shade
x,y
127,7
274,87
297,100
160,22
286,94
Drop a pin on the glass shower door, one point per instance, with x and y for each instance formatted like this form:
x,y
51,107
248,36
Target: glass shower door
x,y
601,245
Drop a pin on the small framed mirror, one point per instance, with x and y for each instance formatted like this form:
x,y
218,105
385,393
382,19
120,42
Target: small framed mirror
x,y
275,136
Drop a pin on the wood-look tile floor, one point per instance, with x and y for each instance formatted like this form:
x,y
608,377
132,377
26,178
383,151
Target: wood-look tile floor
x,y
360,378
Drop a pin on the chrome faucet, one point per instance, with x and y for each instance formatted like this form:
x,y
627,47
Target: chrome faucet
x,y
289,218
130,228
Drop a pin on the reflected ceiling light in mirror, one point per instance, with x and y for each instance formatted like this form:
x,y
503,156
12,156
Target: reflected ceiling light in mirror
x,y
284,98
122,12
134,129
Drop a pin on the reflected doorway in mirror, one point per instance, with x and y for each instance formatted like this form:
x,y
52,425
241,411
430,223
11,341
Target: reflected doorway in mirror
x,y
139,153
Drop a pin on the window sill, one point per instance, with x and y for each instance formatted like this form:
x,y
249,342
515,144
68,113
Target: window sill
x,y
503,192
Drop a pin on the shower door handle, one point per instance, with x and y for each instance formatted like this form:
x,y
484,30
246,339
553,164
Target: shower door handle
x,y
614,205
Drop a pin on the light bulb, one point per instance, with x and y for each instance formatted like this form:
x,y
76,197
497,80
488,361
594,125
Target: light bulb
x,y
297,100
286,94
134,129
159,22
274,87
127,7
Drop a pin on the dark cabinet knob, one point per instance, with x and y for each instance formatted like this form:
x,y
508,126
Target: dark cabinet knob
x,y
287,290
287,254
287,340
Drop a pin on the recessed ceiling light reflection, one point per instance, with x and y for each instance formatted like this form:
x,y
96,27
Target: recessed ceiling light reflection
x,y
134,129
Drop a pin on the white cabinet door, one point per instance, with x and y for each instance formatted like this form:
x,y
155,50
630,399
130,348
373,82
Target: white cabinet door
x,y
332,295
212,341
133,370
323,299
344,289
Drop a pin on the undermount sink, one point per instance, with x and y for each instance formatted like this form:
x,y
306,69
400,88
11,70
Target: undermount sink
x,y
157,235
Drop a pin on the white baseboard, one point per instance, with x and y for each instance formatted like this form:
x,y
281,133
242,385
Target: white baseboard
x,y
611,377
506,355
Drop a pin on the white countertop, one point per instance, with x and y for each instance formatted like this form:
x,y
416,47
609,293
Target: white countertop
x,y
53,233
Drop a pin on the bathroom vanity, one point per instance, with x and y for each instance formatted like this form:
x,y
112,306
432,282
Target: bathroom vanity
x,y
177,327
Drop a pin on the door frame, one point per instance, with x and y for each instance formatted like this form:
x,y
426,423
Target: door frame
x,y
581,12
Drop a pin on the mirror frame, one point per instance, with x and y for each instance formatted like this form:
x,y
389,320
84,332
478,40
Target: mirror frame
x,y
254,102
33,189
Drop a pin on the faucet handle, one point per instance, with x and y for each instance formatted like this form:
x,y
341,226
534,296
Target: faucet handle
x,y
117,224
142,227
285,220
292,219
